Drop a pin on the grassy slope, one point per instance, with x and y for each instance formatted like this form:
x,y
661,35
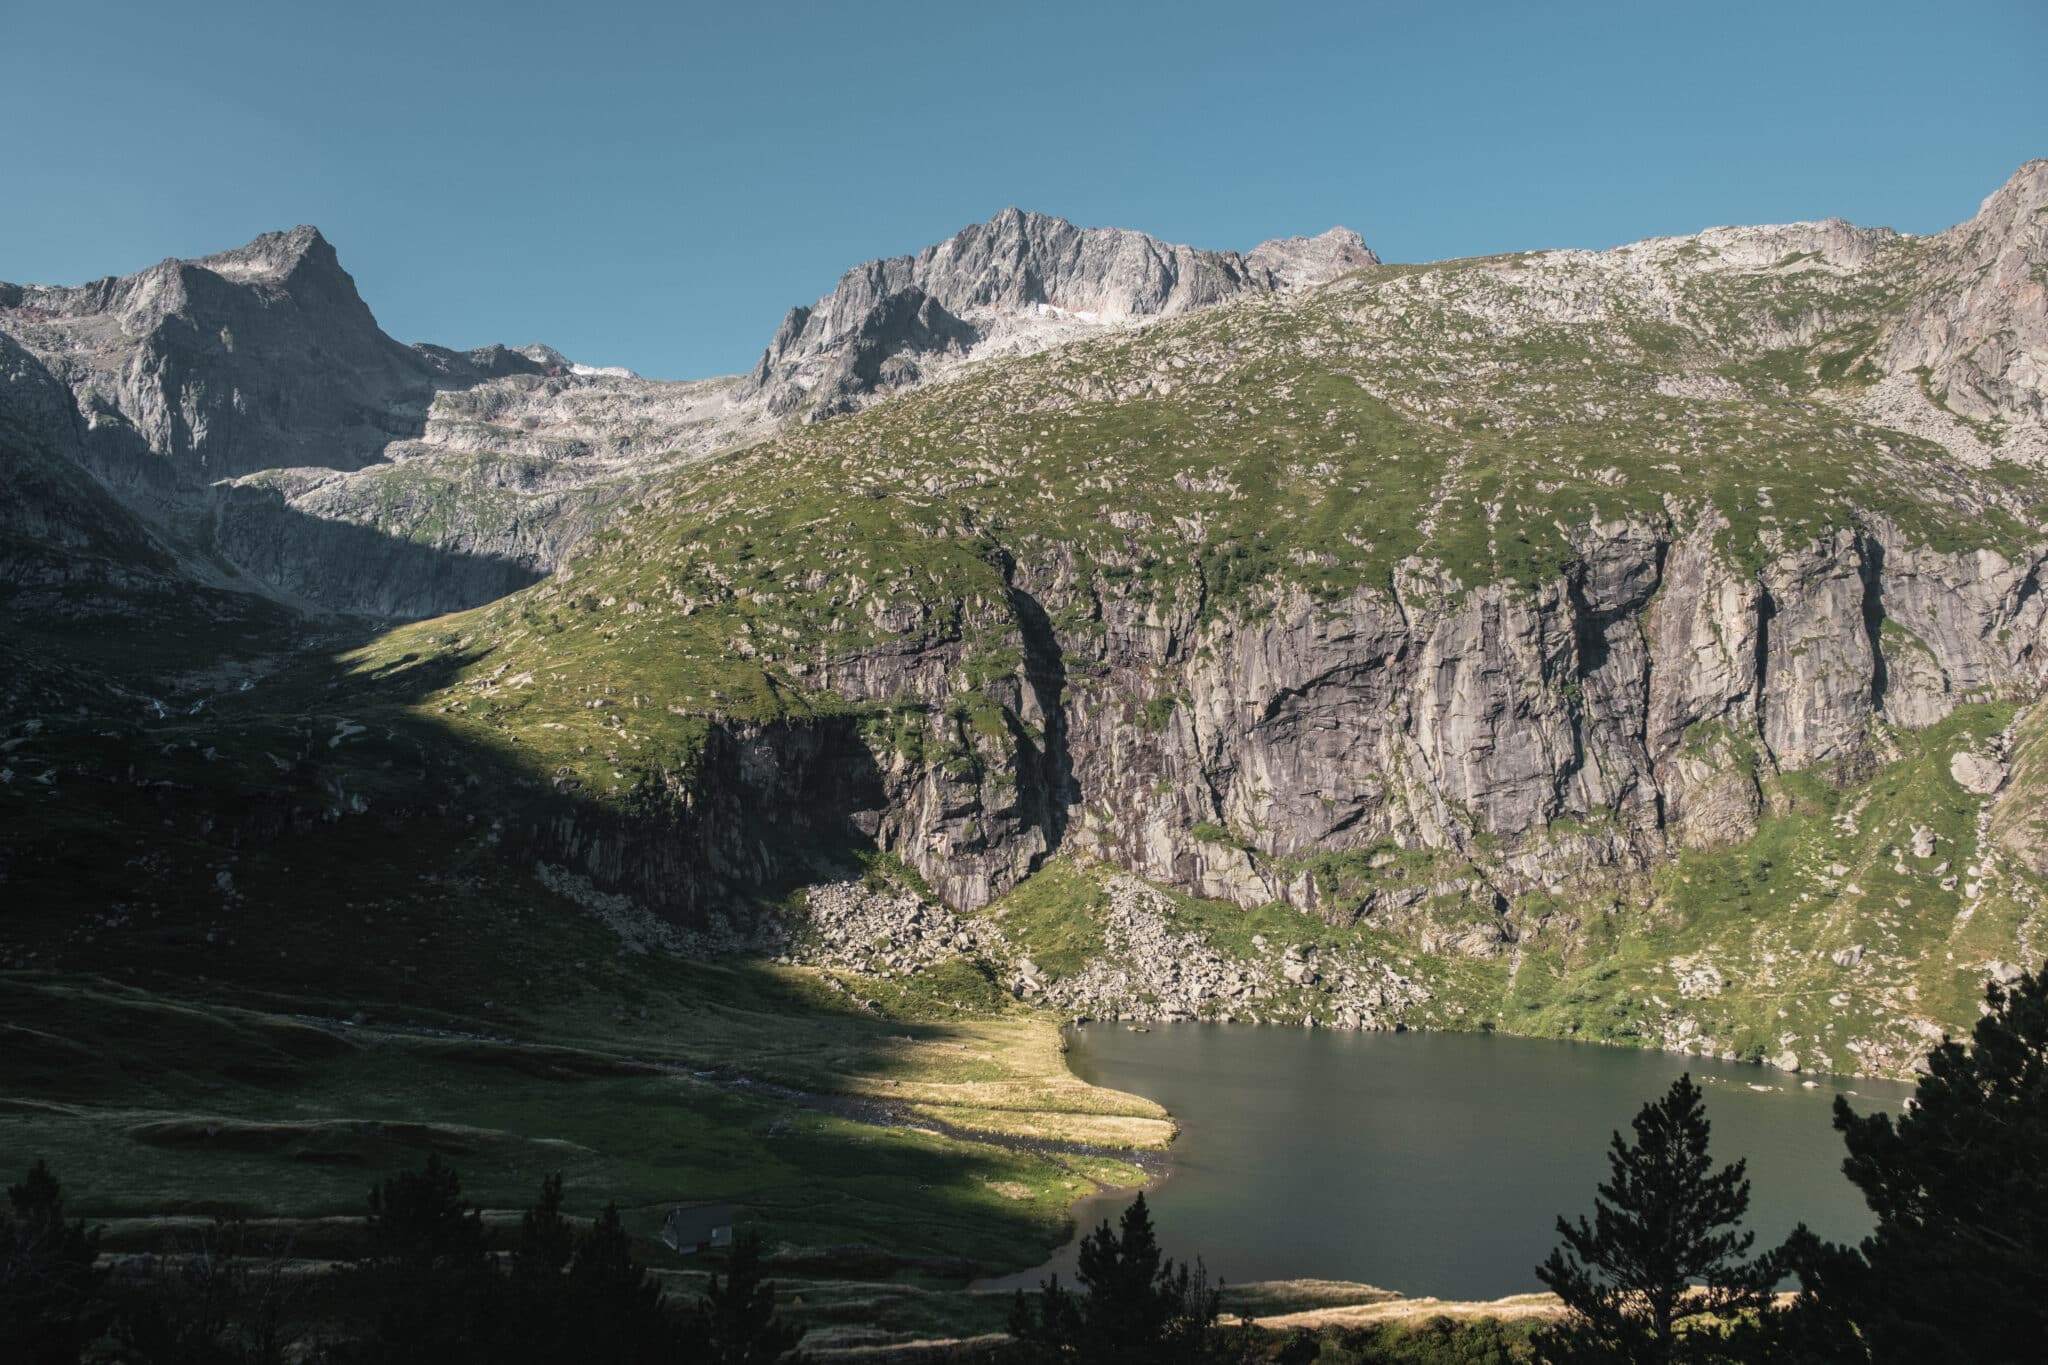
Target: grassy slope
x,y
154,1106
1769,917
198,906
1604,963
1320,440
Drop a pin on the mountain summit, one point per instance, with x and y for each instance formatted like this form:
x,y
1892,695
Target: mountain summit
x,y
1644,644
249,407
1018,283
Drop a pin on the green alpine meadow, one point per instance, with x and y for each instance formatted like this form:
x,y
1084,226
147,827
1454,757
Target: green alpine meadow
x,y
507,858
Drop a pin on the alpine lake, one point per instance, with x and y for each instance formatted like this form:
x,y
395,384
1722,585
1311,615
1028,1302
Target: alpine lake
x,y
1434,1164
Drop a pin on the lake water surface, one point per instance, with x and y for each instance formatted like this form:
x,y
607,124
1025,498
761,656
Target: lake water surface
x,y
1433,1163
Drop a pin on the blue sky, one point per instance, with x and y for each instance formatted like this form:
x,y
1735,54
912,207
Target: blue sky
x,y
653,185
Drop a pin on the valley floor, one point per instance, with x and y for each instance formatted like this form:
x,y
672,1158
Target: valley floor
x,y
252,962
932,1147
888,1159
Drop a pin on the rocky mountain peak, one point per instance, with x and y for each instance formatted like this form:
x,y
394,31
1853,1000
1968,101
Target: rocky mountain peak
x,y
1019,282
1020,260
1304,262
190,371
2021,197
276,256
1981,333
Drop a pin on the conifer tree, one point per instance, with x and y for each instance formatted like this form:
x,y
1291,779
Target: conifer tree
x,y
616,1307
420,1218
1662,1247
425,1279
50,1287
581,1299
1136,1306
546,1241
218,1298
737,1324
539,1325
1957,1268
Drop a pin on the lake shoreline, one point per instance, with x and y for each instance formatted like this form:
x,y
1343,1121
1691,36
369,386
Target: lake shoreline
x,y
1749,1096
1905,1077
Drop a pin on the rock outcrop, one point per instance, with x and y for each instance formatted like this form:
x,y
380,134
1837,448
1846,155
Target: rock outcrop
x,y
1146,969
1981,333
1636,703
249,409
1017,283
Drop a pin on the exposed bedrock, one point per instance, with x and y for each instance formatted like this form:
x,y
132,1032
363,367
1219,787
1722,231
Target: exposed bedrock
x,y
1980,335
1598,721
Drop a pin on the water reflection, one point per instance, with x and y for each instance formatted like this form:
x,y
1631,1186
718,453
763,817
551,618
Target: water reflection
x,y
1434,1163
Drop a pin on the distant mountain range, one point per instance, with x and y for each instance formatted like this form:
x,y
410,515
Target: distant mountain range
x,y
1642,644
249,411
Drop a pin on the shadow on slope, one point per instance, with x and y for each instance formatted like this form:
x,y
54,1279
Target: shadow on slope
x,y
256,955
348,567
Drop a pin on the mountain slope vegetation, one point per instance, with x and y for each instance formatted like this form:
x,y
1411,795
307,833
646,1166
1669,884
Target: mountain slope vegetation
x,y
1642,645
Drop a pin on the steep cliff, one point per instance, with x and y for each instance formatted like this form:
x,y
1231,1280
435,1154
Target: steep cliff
x,y
1458,604
1977,336
1637,644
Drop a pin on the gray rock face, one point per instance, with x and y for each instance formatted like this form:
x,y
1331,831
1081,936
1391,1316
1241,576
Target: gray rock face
x,y
1304,262
35,409
1020,281
1819,681
257,358
247,409
1319,728
1982,334
1632,705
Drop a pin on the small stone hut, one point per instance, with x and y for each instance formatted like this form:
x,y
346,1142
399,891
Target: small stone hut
x,y
690,1228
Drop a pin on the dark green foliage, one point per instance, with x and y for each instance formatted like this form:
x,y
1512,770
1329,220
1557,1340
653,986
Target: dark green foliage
x,y
1441,1340
1957,1270
1664,1220
51,1300
1049,1328
221,1299
1135,1305
566,1299
736,1324
614,1310
420,1218
425,1281
1301,1347
1157,712
574,1299
546,1241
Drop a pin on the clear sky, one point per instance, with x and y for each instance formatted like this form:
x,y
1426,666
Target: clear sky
x,y
654,184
